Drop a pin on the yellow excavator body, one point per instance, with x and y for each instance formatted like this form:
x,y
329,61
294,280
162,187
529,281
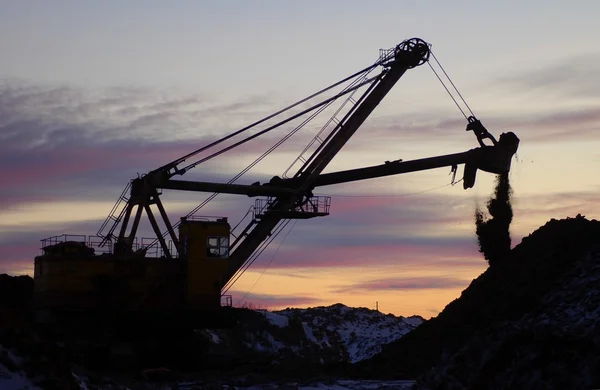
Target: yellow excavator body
x,y
71,275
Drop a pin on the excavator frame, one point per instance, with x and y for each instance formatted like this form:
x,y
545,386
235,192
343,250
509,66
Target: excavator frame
x,y
287,198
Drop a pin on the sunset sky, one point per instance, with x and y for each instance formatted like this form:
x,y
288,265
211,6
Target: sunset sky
x,y
94,92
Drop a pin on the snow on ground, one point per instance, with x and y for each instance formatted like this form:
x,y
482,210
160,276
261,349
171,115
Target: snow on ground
x,y
337,385
215,339
414,320
80,381
14,380
309,333
365,335
339,332
276,319
363,331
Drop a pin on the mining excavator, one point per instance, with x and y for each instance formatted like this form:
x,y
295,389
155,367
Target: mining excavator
x,y
190,264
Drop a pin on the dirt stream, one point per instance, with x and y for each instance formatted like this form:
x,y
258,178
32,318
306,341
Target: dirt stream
x,y
493,234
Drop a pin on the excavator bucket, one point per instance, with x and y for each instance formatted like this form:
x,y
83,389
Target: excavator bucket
x,y
493,159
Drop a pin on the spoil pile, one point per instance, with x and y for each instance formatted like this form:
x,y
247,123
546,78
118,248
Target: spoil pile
x,y
528,322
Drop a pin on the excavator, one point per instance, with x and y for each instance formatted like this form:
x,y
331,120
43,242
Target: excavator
x,y
189,265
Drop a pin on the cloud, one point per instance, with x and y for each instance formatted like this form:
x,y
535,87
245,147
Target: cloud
x,y
424,231
358,252
66,143
118,113
574,77
390,219
20,245
549,124
405,284
79,146
563,124
268,301
429,231
17,257
542,125
561,202
554,103
417,126
531,211
414,240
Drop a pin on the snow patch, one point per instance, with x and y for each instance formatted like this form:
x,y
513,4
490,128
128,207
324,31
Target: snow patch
x,y
362,331
14,380
80,381
339,385
309,333
275,345
215,338
414,321
276,319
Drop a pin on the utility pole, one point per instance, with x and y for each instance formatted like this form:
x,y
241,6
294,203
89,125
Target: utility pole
x,y
377,305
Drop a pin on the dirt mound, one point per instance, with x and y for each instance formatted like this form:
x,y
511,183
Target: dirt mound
x,y
533,270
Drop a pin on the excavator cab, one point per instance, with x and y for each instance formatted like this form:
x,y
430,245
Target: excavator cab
x,y
205,252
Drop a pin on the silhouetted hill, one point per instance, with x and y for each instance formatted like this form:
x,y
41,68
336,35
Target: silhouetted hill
x,y
512,294
54,350
15,291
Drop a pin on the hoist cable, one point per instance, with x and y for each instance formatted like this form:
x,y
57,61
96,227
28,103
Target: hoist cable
x,y
240,174
447,90
256,254
292,132
187,168
181,159
252,258
454,86
324,127
335,131
269,264
280,142
323,105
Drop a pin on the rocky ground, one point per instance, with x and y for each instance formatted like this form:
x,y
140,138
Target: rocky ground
x,y
105,350
361,331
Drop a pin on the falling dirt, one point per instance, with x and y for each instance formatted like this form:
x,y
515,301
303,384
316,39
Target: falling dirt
x,y
493,234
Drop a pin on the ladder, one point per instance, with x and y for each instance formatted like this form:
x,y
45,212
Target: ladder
x,y
115,215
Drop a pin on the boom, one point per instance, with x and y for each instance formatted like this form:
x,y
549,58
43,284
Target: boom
x,y
492,159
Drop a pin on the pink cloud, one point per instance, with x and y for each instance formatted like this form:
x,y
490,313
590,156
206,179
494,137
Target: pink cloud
x,y
268,301
402,255
557,205
19,258
407,284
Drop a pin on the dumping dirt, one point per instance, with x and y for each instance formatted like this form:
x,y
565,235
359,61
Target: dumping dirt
x,y
493,234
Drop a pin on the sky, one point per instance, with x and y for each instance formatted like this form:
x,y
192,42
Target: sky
x,y
94,93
